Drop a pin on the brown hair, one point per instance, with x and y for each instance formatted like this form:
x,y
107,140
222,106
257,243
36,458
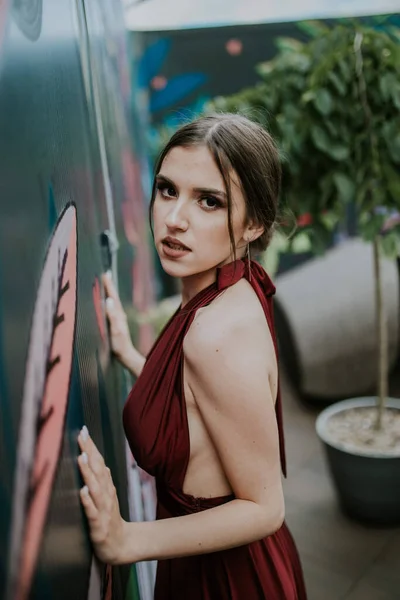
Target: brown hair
x,y
237,143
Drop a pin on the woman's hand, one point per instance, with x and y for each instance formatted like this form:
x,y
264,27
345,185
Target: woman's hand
x,y
99,499
121,343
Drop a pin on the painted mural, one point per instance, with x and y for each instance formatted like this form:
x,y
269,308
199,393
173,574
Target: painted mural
x,y
44,402
72,187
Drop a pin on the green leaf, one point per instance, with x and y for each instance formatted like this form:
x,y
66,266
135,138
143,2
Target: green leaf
x,y
345,187
345,70
312,28
271,256
390,244
395,93
392,177
371,226
265,68
393,144
386,83
323,101
279,241
395,32
301,243
308,96
332,128
324,143
319,239
329,220
325,185
287,44
339,152
270,261
337,83
320,138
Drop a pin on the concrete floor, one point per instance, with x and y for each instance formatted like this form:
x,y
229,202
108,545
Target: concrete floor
x,y
342,560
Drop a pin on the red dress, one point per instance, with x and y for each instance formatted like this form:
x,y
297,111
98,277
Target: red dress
x,y
156,427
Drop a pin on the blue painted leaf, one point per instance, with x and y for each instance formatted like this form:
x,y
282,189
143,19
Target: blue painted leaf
x,y
394,20
176,89
151,62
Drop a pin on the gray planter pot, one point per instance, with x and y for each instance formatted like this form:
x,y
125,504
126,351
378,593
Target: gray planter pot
x,y
368,486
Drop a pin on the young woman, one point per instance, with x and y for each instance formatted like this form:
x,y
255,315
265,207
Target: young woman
x,y
204,416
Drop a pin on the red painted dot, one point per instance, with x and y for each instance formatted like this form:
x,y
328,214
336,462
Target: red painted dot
x,y
158,82
234,47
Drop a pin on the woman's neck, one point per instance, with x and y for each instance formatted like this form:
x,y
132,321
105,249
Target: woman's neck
x,y
194,284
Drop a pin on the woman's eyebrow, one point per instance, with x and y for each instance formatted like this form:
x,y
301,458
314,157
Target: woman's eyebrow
x,y
210,191
160,177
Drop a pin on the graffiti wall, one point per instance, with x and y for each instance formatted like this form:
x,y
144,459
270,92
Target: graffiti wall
x,y
72,206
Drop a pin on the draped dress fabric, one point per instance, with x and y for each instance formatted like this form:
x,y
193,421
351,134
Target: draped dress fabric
x,y
156,426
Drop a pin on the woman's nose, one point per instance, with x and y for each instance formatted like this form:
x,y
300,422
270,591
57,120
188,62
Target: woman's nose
x,y
177,217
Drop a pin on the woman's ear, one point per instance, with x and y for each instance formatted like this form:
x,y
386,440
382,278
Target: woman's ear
x,y
253,232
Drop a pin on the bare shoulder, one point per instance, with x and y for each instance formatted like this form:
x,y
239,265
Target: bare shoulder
x,y
232,326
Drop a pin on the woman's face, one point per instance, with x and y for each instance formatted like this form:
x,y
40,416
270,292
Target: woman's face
x,y
190,213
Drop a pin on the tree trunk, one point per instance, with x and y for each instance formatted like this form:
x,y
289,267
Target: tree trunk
x,y
382,335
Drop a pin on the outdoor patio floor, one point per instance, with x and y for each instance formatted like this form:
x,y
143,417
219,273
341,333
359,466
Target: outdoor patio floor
x,y
342,560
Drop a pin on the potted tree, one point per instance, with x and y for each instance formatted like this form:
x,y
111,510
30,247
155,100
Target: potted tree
x,y
333,103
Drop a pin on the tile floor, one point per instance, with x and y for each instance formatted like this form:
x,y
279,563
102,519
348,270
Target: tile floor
x,y
342,560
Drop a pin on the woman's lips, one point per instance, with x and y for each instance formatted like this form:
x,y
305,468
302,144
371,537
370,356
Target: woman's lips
x,y
174,250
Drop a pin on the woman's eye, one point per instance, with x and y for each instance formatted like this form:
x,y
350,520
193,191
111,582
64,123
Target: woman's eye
x,y
166,191
210,203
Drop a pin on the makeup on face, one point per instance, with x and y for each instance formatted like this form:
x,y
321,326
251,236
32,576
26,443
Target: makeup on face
x,y
169,190
190,215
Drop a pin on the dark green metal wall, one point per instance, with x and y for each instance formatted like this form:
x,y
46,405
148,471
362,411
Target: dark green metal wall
x,y
70,169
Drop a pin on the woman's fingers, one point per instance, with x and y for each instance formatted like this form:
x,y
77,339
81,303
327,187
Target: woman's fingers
x,y
114,313
92,482
114,309
120,337
93,467
90,509
110,289
87,445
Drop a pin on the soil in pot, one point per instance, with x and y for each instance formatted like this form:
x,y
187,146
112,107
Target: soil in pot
x,y
354,429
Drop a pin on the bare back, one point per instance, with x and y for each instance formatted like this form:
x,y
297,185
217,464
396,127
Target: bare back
x,y
205,476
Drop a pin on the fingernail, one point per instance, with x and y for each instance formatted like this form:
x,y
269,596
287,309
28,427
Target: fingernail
x,y
109,303
85,490
84,433
84,458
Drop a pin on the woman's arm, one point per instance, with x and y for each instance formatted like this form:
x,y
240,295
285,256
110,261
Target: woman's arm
x,y
229,369
232,524
133,361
